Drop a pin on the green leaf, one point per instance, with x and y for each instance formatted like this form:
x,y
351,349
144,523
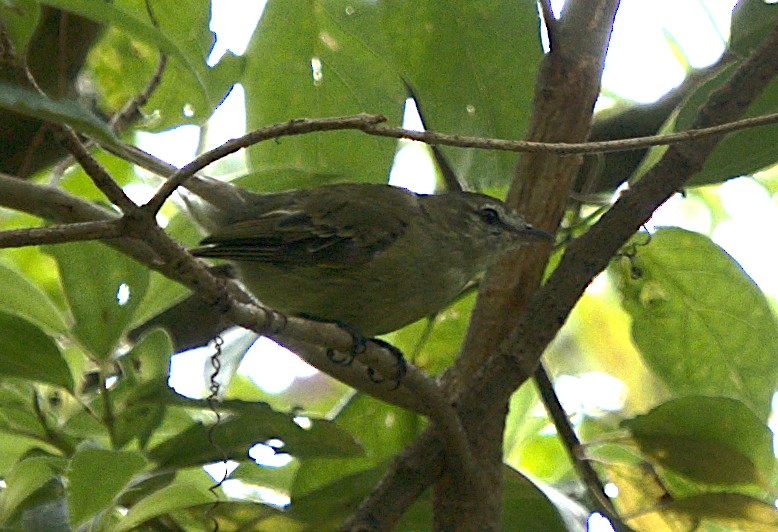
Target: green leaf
x,y
746,151
13,447
233,515
278,479
244,424
30,103
103,288
525,507
737,511
27,352
150,358
144,368
701,324
83,425
95,478
190,488
382,430
709,439
137,421
19,19
472,67
543,456
752,21
145,485
26,477
18,421
294,40
122,65
173,107
520,424
443,344
130,21
19,296
330,503
18,415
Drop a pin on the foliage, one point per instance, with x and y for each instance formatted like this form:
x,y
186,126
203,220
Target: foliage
x,y
93,437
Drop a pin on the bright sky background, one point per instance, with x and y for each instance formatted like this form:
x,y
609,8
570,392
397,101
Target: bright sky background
x,y
643,63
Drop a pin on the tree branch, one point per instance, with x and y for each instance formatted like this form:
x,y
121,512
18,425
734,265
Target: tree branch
x,y
58,234
567,88
57,206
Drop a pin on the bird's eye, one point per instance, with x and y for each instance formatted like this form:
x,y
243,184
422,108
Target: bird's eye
x,y
490,216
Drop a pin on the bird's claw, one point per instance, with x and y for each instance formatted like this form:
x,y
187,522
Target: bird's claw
x,y
359,346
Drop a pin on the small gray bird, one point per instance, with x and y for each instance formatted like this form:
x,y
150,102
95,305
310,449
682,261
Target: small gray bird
x,y
374,257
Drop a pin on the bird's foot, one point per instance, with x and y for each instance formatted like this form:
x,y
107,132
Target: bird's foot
x,y
357,348
402,365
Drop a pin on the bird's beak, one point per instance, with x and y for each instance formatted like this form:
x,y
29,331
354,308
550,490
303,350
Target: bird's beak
x,y
537,234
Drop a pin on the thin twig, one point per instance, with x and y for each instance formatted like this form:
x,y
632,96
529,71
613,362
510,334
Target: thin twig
x,y
58,234
124,117
100,177
572,444
371,124
562,148
293,127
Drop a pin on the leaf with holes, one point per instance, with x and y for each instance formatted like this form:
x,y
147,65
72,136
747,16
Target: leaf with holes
x,y
700,322
103,287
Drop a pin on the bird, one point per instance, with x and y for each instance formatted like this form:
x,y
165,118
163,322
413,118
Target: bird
x,y
373,257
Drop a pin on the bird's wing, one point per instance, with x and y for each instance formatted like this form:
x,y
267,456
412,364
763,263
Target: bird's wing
x,y
326,231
